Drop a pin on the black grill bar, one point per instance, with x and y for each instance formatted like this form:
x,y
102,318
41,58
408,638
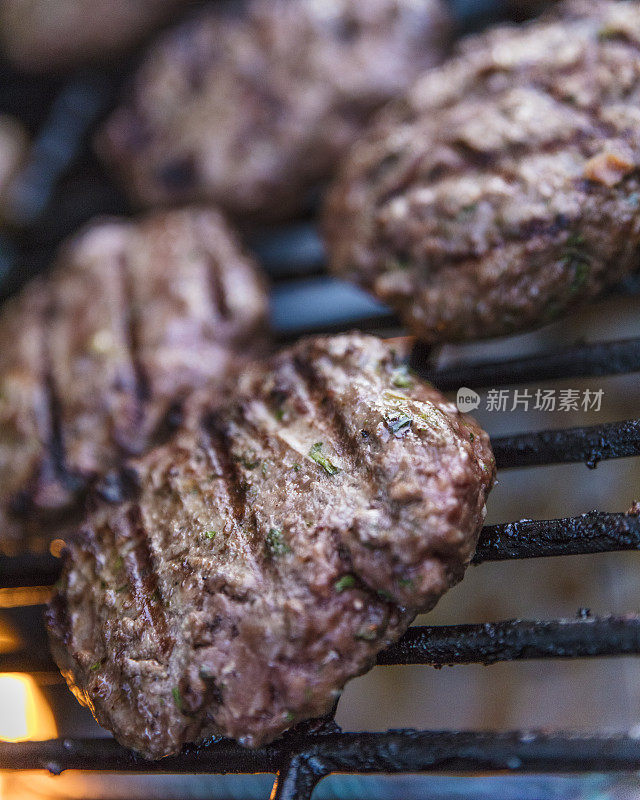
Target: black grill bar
x,y
28,661
393,751
298,778
595,532
569,445
516,640
486,643
580,361
358,312
29,569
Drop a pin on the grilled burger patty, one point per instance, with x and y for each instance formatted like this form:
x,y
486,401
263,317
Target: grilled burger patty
x,y
46,34
94,358
503,189
251,109
272,551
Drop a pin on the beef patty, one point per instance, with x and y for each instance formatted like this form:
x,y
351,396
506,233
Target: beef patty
x,y
503,189
272,551
48,34
96,357
251,109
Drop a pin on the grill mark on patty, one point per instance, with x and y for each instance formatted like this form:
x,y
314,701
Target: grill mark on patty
x,y
620,37
91,542
199,554
317,382
486,167
219,445
56,447
479,165
489,162
216,287
132,335
268,448
530,230
54,471
143,578
326,408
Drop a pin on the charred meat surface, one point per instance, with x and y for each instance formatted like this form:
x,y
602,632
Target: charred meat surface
x,y
49,34
503,189
250,108
273,551
94,358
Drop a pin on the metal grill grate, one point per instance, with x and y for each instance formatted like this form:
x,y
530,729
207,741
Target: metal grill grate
x,y
55,205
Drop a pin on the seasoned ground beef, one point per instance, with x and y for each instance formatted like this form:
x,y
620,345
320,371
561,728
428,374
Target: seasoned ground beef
x,y
251,106
96,358
272,551
503,189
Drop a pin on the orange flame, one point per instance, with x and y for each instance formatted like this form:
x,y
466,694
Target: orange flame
x,y
25,713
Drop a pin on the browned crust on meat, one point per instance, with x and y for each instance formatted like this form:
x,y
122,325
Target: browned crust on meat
x,y
272,552
503,190
134,317
251,110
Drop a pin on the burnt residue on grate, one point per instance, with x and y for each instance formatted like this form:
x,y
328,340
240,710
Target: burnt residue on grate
x,y
595,532
302,760
568,445
594,359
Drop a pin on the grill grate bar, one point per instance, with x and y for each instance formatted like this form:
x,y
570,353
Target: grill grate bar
x,y
297,779
595,532
36,663
485,643
323,305
29,569
590,445
516,640
581,361
392,752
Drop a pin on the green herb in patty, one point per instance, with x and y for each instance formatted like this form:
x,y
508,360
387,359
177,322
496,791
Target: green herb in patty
x,y
317,455
399,425
345,582
276,544
367,632
401,378
249,460
574,255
